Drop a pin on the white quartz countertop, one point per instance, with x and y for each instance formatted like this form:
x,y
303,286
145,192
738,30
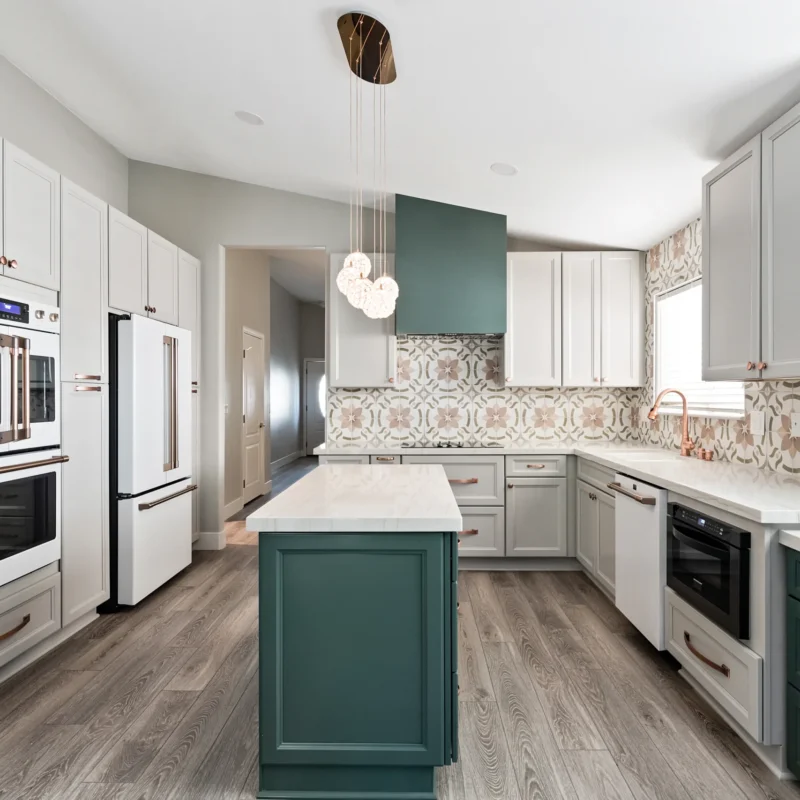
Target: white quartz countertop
x,y
770,498
790,539
355,498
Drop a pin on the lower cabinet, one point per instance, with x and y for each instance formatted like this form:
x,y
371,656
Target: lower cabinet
x,y
536,517
596,548
484,532
386,461
84,503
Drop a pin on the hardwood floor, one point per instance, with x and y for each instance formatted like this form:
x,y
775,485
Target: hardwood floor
x,y
560,700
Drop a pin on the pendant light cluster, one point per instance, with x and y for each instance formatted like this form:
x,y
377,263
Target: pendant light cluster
x,y
369,54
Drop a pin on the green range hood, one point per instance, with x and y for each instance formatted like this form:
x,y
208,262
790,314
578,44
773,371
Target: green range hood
x,y
450,265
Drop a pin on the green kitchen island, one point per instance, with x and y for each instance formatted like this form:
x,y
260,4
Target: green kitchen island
x,y
358,570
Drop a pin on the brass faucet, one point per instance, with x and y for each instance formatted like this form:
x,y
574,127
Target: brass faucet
x,y
687,445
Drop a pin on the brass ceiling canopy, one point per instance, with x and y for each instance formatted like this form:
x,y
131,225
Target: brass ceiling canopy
x,y
367,47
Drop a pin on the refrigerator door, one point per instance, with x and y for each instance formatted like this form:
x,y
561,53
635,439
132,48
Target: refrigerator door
x,y
178,381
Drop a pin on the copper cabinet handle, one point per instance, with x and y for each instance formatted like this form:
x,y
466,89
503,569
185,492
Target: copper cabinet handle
x,y
750,365
80,377
468,532
194,383
761,365
3,261
13,263
536,466
508,380
384,458
194,391
88,388
510,485
462,480
707,661
8,634
391,380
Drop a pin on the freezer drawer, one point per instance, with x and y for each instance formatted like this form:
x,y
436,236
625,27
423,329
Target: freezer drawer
x,y
155,539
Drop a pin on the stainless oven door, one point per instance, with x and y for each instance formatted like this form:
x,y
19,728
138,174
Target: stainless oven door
x,y
29,397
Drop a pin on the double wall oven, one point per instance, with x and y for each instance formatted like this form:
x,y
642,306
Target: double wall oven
x,y
30,437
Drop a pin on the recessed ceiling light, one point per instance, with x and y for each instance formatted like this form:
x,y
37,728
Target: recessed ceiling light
x,y
499,168
249,117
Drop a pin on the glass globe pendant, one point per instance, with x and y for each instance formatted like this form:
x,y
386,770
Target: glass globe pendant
x,y
387,285
356,265
381,301
359,291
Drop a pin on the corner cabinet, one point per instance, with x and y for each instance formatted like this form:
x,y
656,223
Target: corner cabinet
x,y
533,339
362,352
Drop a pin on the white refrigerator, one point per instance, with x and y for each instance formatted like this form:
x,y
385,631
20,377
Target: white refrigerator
x,y
154,447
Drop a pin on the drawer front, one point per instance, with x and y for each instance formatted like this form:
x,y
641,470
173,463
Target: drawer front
x,y
595,474
793,572
28,616
793,730
386,461
484,532
793,641
475,480
344,459
730,672
536,466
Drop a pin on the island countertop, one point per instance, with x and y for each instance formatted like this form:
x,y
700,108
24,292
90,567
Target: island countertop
x,y
355,498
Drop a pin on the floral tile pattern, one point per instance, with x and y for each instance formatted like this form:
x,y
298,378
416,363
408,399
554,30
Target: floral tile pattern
x,y
398,417
448,418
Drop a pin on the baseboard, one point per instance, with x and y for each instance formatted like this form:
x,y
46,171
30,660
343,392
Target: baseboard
x,y
210,541
42,648
282,462
234,507
518,564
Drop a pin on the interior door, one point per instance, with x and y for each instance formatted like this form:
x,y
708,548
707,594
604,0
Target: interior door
x,y
314,404
253,467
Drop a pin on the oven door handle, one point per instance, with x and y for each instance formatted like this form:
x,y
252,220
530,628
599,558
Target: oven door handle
x,y
24,346
703,547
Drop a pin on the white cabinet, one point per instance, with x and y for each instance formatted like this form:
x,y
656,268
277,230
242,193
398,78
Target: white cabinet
x,y
603,310
385,461
731,221
484,532
362,352
533,338
127,264
162,278
84,528
189,305
780,286
596,534
536,517
84,269
343,460
30,230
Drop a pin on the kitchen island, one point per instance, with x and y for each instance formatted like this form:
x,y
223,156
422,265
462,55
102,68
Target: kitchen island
x,y
358,633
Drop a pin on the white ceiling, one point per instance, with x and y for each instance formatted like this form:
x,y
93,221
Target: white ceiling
x,y
611,111
300,272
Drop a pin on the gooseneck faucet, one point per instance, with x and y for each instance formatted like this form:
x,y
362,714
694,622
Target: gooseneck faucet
x,y
687,445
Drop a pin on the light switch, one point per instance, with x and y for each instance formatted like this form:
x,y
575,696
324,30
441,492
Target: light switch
x,y
757,423
795,417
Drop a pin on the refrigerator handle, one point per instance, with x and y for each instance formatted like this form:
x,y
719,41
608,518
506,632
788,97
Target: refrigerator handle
x,y
169,342
14,404
175,463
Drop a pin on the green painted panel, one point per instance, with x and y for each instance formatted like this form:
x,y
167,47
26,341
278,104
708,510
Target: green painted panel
x,y
450,265
353,648
793,730
792,572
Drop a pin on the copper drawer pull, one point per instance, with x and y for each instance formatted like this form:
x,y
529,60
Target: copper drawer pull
x,y
536,466
154,503
644,499
79,377
384,458
13,263
8,634
761,365
707,661
88,388
462,481
469,532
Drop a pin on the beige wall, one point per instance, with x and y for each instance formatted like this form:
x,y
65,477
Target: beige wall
x,y
34,121
247,303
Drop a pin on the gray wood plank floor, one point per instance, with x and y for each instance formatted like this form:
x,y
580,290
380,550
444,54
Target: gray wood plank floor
x,y
560,700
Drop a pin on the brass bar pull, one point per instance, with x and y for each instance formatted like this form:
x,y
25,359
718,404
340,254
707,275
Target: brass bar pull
x,y
384,458
45,462
80,377
707,661
8,634
88,388
154,503
536,466
644,499
468,532
462,481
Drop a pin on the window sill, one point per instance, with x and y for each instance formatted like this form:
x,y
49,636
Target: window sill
x,y
677,412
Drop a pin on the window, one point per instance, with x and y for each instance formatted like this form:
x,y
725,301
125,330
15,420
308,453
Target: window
x,y
679,353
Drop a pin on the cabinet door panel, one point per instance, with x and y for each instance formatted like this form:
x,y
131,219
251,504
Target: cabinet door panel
x,y
162,278
581,312
732,266
189,304
533,341
84,534
780,287
606,540
362,352
31,219
127,263
622,319
84,265
588,527
536,517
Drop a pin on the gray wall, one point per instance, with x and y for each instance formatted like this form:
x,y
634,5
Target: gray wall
x,y
203,215
34,121
312,331
285,370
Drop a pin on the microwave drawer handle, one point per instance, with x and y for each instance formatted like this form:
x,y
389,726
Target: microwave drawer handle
x,y
15,630
148,506
644,499
696,544
462,481
721,668
45,462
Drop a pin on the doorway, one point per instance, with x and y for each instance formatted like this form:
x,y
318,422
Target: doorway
x,y
314,403
253,422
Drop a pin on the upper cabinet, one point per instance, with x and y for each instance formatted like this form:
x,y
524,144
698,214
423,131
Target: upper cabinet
x,y
362,352
732,266
780,288
30,227
603,310
189,305
162,278
533,340
84,267
127,264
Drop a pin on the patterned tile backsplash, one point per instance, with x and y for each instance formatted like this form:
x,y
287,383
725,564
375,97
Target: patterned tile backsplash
x,y
451,388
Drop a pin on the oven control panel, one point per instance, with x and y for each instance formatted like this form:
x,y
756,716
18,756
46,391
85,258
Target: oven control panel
x,y
14,310
713,527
